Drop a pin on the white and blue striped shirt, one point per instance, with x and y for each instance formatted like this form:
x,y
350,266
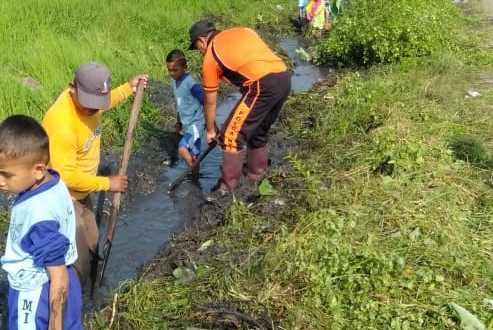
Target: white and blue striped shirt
x,y
41,233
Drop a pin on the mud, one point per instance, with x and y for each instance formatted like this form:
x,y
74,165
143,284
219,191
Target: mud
x,y
184,247
209,216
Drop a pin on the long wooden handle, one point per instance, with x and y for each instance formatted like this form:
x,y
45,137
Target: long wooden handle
x,y
127,148
122,170
189,170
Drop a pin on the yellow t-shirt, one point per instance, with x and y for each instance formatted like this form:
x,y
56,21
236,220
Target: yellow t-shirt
x,y
75,143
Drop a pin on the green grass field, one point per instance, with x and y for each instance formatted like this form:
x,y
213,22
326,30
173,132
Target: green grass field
x,y
44,41
383,218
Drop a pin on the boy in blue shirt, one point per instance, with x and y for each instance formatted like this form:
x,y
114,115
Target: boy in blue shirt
x,y
189,98
44,290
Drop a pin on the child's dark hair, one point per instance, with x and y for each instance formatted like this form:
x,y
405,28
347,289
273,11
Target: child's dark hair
x,y
176,55
22,136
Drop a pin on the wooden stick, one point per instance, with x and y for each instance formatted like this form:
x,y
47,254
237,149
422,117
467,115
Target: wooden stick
x,y
189,170
127,148
113,310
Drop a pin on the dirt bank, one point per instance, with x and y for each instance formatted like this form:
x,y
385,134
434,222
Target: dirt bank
x,y
487,7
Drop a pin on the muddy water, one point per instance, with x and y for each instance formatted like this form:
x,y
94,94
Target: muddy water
x,y
305,74
145,226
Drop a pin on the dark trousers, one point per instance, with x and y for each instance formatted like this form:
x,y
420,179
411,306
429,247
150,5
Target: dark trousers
x,y
251,118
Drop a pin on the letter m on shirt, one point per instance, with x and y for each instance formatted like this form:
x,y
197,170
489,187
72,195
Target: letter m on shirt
x,y
27,307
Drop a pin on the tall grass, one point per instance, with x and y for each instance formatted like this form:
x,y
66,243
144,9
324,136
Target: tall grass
x,y
394,227
379,225
46,40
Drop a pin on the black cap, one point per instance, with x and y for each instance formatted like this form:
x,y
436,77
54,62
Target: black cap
x,y
199,29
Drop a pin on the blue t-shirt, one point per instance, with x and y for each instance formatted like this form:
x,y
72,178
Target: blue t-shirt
x,y
189,98
41,233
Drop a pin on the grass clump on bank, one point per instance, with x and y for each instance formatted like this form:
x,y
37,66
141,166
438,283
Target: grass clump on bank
x,y
388,216
403,228
379,31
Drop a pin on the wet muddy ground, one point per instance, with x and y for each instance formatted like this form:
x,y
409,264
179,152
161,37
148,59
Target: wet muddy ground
x,y
147,173
152,166
155,168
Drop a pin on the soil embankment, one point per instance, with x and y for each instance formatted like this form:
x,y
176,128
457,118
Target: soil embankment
x,y
487,7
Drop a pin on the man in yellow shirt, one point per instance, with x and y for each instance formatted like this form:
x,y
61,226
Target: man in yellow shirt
x,y
73,124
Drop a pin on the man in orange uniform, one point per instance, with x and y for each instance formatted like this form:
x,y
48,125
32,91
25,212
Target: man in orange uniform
x,y
239,56
73,124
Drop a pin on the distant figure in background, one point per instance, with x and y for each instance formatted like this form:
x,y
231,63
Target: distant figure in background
x,y
315,13
73,124
239,56
189,98
327,16
302,14
44,290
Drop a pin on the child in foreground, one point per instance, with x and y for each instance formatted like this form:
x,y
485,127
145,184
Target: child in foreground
x,y
44,290
189,98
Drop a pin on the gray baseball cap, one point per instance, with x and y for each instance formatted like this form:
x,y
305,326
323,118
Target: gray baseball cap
x,y
199,29
93,83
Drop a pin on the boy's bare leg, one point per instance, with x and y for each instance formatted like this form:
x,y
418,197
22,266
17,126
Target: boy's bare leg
x,y
186,155
189,160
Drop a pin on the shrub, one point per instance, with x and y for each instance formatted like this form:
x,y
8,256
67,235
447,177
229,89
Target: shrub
x,y
468,149
381,31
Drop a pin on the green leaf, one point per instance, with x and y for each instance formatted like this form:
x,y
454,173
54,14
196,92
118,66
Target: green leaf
x,y
304,56
179,302
205,245
183,275
468,321
202,270
265,189
180,272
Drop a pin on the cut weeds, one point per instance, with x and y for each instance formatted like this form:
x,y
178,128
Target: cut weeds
x,y
377,224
